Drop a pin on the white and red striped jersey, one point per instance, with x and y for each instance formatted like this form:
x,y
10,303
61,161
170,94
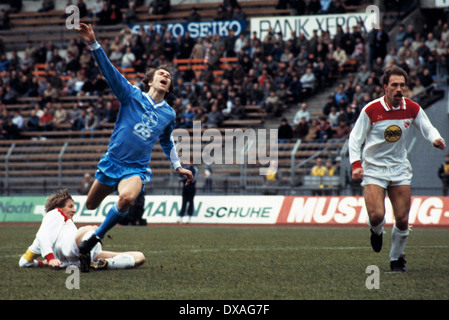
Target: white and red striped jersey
x,y
384,129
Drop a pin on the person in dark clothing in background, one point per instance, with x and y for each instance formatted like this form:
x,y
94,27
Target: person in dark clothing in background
x,y
188,193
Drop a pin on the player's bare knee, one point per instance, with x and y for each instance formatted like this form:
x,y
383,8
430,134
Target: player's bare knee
x,y
125,201
91,205
402,223
376,218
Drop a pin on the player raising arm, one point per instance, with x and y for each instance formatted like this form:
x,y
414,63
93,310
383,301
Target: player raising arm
x,y
144,118
383,167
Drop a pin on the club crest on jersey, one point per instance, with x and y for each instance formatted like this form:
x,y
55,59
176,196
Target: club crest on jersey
x,y
393,133
406,124
149,118
144,129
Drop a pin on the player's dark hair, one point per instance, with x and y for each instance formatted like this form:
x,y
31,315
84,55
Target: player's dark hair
x,y
57,200
394,70
149,75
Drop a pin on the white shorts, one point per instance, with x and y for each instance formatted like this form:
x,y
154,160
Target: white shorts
x,y
387,176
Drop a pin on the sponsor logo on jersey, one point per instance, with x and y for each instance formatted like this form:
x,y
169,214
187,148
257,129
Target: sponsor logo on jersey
x,y
393,133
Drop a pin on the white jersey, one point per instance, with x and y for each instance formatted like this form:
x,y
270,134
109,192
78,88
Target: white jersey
x,y
384,129
56,238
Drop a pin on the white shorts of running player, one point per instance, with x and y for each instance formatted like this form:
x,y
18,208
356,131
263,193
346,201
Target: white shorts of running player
x,y
387,176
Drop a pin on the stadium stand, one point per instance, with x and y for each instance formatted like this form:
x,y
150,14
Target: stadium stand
x,y
41,54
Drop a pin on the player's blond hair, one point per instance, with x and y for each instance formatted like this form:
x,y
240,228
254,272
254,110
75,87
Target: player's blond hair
x,y
57,200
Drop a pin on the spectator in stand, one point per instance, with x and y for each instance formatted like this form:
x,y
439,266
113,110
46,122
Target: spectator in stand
x,y
159,7
10,130
285,131
90,121
342,130
18,120
5,22
324,131
214,117
47,5
301,129
60,115
46,120
96,9
85,185
308,82
32,123
194,15
340,56
130,15
50,93
303,112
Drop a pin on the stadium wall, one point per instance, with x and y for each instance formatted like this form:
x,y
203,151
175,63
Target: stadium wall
x,y
246,210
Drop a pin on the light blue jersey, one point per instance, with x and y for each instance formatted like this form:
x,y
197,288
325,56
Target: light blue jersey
x,y
140,124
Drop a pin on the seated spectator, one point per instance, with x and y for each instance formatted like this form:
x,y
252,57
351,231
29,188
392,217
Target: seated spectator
x,y
90,121
60,115
272,103
86,183
76,116
238,110
5,22
285,131
194,15
303,112
214,118
50,93
46,120
18,120
47,5
9,96
32,124
10,131
301,129
187,117
308,82
159,7
340,56
318,169
129,15
323,130
342,130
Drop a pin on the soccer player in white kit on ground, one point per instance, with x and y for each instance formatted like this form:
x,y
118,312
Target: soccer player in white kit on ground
x,y
58,239
383,167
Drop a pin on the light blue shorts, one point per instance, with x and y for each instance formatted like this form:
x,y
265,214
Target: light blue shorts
x,y
110,172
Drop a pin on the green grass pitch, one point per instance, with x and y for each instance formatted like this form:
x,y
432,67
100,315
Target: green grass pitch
x,y
210,262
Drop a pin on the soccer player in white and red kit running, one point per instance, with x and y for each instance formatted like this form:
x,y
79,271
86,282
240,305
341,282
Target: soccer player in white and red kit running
x,y
383,167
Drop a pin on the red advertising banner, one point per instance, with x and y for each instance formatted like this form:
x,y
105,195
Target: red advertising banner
x,y
424,211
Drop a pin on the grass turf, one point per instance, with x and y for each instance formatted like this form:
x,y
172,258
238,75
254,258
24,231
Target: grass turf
x,y
199,262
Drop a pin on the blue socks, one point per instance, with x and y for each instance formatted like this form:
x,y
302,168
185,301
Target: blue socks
x,y
112,218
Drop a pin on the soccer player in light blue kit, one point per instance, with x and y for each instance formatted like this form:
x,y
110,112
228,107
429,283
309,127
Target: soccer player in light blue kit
x,y
143,119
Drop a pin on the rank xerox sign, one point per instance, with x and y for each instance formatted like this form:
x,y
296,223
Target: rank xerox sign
x,y
307,24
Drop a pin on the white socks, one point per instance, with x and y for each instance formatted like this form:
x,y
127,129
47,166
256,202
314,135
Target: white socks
x,y
121,261
398,240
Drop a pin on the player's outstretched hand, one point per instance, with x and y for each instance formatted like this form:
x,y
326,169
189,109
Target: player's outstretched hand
x,y
186,173
86,32
440,144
